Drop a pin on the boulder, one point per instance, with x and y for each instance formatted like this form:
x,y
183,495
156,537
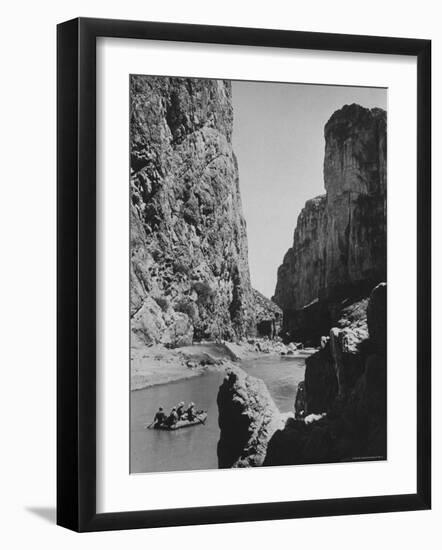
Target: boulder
x,y
248,417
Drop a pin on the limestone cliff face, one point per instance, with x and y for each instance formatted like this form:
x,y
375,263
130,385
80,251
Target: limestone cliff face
x,y
189,266
339,244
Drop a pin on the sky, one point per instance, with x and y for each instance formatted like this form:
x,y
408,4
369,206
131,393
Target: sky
x,y
278,138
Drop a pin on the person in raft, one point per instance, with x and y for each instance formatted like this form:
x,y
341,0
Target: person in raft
x,y
160,417
172,418
180,410
191,412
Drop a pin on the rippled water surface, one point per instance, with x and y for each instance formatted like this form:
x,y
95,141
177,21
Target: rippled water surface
x,y
195,448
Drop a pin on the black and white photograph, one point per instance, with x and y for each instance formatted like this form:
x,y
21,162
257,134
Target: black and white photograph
x,y
258,273
220,246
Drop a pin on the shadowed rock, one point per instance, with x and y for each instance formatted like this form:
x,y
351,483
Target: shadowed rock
x,y
347,381
320,382
300,404
377,318
248,418
340,408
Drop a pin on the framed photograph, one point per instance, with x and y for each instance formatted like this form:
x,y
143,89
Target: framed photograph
x,y
233,204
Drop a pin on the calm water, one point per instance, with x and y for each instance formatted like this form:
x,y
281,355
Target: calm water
x,y
195,448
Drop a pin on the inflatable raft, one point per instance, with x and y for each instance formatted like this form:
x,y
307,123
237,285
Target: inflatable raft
x,y
200,419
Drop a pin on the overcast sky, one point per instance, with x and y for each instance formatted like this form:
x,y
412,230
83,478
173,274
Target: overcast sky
x,y
278,138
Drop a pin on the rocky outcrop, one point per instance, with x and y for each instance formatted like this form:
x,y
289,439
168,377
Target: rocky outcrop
x,y
340,408
268,315
189,270
339,244
344,394
333,371
248,418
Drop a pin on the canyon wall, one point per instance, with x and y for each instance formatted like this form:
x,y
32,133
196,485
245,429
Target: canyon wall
x,y
339,244
189,274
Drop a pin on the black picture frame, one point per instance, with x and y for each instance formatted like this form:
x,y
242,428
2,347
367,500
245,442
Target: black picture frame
x,y
76,274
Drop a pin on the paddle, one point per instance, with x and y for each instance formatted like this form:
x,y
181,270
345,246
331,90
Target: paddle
x,y
149,426
202,421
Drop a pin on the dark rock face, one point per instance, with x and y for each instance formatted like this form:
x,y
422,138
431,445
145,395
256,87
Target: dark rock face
x,y
300,404
248,418
347,381
377,318
339,244
320,383
189,266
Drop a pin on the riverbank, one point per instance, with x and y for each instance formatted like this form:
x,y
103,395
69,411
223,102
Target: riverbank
x,y
154,365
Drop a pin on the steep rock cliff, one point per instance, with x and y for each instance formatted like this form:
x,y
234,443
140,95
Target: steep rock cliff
x,y
339,243
189,268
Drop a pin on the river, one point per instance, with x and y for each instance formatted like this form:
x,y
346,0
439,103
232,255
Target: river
x,y
195,448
